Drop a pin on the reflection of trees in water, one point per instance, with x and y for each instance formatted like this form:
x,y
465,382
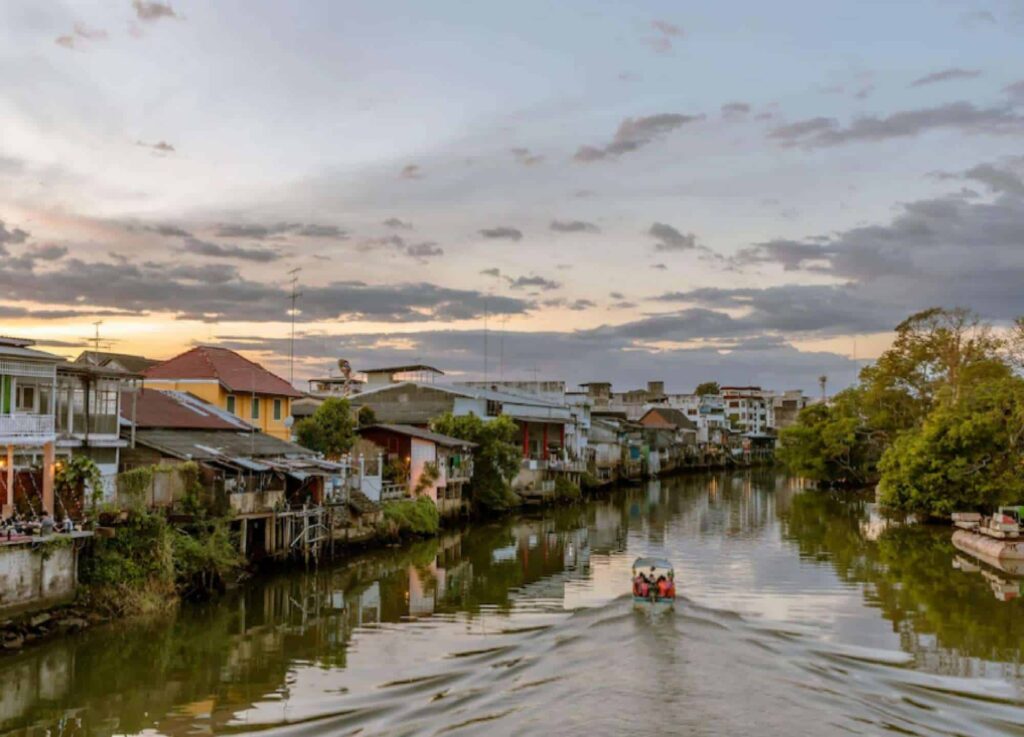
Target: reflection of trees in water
x,y
944,617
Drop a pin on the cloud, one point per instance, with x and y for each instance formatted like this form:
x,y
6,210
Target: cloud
x,y
573,226
12,237
524,157
635,133
576,305
218,293
411,171
946,75
659,267
493,271
313,230
665,34
502,232
1015,91
670,239
424,250
998,179
960,116
162,147
50,252
396,223
575,356
80,32
150,10
215,250
617,295
168,230
735,109
254,231
975,18
533,282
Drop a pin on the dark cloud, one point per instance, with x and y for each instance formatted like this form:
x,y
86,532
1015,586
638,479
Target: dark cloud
x,y
313,230
216,250
574,356
670,239
617,295
168,230
11,236
411,171
532,282
150,10
13,312
998,179
946,75
524,157
960,116
50,252
224,295
396,223
502,232
576,305
255,231
424,250
635,133
420,251
623,305
491,272
659,267
573,226
1015,91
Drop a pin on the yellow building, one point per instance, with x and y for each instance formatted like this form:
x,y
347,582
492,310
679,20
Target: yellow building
x,y
232,382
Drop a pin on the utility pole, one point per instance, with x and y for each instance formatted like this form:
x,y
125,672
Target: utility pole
x,y
485,338
96,340
294,274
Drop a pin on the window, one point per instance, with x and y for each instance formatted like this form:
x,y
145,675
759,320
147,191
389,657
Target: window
x,y
277,409
25,399
231,403
255,408
493,408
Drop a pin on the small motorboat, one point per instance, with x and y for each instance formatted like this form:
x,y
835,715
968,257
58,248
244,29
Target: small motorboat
x,y
654,582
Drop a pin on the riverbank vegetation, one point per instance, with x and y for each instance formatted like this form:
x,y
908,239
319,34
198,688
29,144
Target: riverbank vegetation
x,y
496,458
406,517
937,421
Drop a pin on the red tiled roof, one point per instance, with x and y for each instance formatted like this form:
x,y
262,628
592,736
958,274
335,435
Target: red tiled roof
x,y
235,372
157,409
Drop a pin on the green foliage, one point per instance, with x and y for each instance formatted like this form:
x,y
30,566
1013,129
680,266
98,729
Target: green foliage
x,y
967,454
566,491
832,444
330,430
417,516
707,387
366,416
205,555
428,478
73,476
496,458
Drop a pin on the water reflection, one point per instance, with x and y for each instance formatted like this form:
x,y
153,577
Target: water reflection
x,y
802,603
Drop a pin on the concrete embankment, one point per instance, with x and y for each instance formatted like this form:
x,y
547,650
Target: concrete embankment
x,y
989,547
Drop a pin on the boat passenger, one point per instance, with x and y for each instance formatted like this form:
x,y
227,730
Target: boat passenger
x,y
662,587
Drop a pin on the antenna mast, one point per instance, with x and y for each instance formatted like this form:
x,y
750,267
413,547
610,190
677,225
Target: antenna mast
x,y
294,274
96,340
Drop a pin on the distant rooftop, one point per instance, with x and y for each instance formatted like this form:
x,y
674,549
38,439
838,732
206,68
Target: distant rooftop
x,y
127,361
416,367
234,371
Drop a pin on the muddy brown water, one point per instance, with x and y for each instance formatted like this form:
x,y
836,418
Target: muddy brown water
x,y
800,614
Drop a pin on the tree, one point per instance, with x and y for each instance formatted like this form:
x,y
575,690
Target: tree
x,y
707,387
933,349
366,416
330,430
832,443
967,454
496,458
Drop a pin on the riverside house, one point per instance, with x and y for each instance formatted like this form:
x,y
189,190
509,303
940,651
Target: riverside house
x,y
231,382
436,465
52,410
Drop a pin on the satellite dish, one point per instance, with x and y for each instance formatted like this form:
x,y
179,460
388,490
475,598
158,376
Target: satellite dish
x,y
289,421
345,368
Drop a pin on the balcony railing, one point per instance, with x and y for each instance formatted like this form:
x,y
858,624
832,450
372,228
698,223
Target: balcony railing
x,y
27,428
393,492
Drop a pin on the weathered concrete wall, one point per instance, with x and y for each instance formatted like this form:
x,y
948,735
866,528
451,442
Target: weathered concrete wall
x,y
405,404
36,578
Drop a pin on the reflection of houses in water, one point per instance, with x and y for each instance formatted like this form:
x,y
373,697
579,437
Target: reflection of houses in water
x,y
608,530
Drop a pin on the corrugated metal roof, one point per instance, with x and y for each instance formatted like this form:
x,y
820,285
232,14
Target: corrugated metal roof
x,y
212,444
418,432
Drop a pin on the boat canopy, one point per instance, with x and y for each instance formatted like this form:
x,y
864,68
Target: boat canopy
x,y
658,563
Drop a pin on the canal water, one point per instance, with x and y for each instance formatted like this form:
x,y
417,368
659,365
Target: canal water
x,y
800,614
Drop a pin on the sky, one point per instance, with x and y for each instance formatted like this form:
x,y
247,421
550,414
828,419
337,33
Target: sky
x,y
749,192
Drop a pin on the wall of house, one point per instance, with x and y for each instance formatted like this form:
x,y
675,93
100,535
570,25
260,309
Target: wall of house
x,y
406,404
36,579
422,453
217,395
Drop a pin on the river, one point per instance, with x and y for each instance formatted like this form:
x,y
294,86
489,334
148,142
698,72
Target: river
x,y
800,614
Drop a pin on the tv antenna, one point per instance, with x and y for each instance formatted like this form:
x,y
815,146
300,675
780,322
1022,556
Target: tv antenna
x,y
294,296
96,339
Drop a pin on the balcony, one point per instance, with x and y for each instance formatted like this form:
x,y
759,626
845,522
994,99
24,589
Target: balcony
x,y
26,429
256,502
